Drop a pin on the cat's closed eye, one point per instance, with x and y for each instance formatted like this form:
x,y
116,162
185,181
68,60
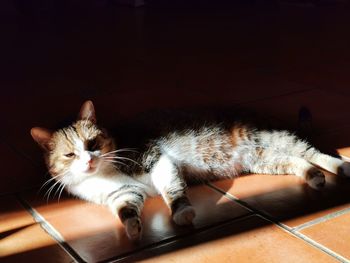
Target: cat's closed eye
x,y
70,155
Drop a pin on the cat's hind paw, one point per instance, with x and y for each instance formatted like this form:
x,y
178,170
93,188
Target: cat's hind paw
x,y
133,228
315,179
184,216
344,169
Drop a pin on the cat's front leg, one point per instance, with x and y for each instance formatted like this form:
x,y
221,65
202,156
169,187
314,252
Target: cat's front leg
x,y
167,180
131,221
127,202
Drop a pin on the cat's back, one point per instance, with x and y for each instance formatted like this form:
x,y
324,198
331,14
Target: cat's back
x,y
207,139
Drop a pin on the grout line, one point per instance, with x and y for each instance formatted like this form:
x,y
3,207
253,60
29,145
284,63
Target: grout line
x,y
246,205
310,241
322,248
176,238
50,230
322,219
283,226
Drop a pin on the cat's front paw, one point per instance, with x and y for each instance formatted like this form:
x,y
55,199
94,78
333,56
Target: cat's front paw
x,y
133,228
184,216
315,179
344,169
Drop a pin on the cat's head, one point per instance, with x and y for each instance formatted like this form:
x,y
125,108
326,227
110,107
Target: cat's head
x,y
80,149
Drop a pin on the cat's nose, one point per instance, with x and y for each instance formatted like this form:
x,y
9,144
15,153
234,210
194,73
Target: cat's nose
x,y
89,162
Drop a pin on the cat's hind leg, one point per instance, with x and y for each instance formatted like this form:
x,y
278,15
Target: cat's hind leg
x,y
328,163
284,164
167,180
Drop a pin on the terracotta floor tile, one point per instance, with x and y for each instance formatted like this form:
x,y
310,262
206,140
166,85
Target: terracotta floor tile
x,y
334,234
288,198
88,227
328,110
22,239
344,153
12,214
250,239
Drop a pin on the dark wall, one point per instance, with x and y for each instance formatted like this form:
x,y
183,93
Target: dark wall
x,y
56,54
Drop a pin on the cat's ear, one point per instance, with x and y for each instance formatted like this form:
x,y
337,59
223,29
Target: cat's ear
x,y
42,136
87,112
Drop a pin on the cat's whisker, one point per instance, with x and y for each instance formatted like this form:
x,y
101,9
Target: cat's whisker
x,y
120,158
128,159
54,177
51,189
110,158
128,150
58,189
51,179
59,195
48,192
47,182
108,153
114,161
120,150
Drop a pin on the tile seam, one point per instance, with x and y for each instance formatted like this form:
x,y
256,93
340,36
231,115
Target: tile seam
x,y
244,204
50,230
173,239
322,219
170,240
60,240
308,240
321,247
284,227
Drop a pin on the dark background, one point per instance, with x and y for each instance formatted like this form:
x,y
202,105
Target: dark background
x,y
269,56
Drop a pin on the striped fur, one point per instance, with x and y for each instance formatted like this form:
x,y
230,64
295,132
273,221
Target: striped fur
x,y
84,158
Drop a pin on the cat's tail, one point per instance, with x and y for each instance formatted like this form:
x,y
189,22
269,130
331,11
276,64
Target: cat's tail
x,y
328,163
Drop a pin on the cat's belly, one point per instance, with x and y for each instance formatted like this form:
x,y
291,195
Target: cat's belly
x,y
193,173
145,180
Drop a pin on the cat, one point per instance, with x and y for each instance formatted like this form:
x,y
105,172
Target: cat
x,y
86,160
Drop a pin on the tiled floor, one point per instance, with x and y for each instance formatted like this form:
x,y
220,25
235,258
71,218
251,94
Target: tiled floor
x,y
256,218
22,239
164,59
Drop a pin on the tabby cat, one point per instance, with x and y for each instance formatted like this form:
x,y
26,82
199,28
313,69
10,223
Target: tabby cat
x,y
85,160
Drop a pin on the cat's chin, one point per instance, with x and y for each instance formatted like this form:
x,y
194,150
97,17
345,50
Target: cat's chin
x,y
91,170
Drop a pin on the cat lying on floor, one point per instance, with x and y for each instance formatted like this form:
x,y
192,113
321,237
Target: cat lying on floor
x,y
86,161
